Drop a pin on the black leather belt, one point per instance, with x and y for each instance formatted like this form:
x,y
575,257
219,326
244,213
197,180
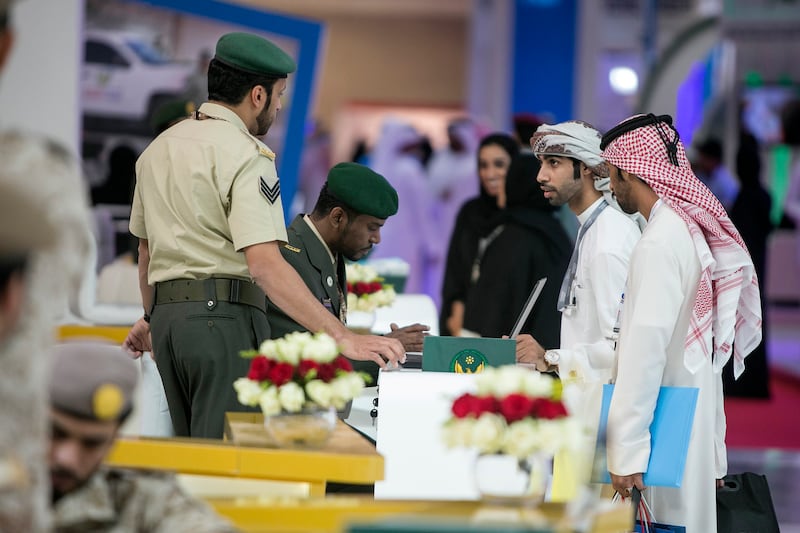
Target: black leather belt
x,y
211,291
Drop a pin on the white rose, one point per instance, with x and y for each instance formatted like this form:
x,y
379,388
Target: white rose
x,y
345,388
268,348
487,433
247,391
287,351
522,439
352,301
458,433
536,384
291,397
319,392
551,433
269,402
321,348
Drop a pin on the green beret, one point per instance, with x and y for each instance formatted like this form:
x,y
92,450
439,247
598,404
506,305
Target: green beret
x,y
170,112
254,54
92,380
363,190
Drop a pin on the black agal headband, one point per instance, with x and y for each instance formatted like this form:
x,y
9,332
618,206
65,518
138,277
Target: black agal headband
x,y
661,122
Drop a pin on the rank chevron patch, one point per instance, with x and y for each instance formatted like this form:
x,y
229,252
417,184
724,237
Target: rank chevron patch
x,y
270,193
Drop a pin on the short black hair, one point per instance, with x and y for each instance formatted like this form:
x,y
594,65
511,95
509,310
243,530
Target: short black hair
x,y
711,147
230,85
326,201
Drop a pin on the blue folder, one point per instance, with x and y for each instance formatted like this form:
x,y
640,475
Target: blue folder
x,y
669,436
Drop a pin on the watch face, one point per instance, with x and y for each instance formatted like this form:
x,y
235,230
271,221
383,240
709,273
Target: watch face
x,y
551,357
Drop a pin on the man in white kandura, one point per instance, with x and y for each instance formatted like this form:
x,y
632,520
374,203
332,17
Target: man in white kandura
x,y
691,302
573,172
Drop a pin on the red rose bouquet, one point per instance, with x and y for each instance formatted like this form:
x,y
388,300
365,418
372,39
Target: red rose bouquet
x,y
297,371
515,411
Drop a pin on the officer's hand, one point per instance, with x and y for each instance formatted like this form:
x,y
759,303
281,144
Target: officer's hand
x,y
386,352
138,340
411,336
531,352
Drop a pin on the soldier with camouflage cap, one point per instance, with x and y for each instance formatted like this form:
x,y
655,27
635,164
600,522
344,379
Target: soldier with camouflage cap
x,y
207,212
91,394
346,223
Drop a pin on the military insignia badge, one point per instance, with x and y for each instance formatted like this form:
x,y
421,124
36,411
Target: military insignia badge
x,y
468,362
270,193
291,248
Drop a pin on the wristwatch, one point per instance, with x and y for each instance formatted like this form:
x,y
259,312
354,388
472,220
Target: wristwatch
x,y
552,357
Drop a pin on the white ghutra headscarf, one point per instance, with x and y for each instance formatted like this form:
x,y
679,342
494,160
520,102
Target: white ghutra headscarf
x,y
579,140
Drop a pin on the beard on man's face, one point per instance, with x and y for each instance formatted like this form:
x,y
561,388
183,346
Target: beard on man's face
x,y
63,481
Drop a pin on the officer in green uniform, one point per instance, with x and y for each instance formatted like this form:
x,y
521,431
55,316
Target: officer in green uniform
x,y
207,212
91,394
346,222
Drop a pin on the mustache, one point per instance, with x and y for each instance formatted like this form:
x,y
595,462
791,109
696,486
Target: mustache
x,y
63,473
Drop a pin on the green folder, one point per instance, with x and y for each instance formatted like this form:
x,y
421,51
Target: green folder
x,y
466,355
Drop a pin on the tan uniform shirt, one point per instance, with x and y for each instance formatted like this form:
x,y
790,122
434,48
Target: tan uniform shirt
x,y
118,500
205,190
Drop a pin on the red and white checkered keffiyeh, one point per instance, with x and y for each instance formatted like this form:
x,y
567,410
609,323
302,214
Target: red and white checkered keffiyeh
x,y
728,304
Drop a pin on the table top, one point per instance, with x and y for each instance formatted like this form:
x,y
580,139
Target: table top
x,y
346,458
247,429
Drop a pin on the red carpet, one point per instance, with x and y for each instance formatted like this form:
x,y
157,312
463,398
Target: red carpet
x,y
773,423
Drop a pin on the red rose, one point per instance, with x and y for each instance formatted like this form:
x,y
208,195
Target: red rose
x,y
306,366
259,368
281,373
463,405
350,287
341,363
361,287
375,286
515,407
486,404
326,372
550,409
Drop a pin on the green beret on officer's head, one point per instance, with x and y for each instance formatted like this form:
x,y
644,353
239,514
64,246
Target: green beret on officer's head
x,y
92,380
250,53
363,190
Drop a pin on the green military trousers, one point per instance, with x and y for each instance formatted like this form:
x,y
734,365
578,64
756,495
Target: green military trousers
x,y
197,354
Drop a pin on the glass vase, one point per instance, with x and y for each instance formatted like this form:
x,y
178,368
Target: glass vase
x,y
505,479
310,428
360,321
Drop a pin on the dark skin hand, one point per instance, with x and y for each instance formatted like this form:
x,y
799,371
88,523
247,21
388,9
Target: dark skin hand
x,y
411,336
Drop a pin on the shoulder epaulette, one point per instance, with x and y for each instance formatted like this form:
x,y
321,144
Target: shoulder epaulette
x,y
292,248
266,153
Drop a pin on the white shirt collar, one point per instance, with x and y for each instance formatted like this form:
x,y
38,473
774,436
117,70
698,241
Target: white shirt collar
x,y
588,211
307,220
653,209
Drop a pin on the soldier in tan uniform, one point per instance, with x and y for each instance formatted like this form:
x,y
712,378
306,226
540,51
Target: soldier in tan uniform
x,y
91,394
207,212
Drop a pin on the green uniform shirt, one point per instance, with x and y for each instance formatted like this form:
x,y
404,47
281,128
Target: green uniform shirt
x,y
205,190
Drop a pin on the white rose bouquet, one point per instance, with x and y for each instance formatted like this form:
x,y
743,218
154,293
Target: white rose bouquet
x,y
296,371
515,412
366,290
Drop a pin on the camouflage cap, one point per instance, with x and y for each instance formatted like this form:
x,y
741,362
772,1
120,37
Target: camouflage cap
x,y
24,222
254,54
363,190
92,380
